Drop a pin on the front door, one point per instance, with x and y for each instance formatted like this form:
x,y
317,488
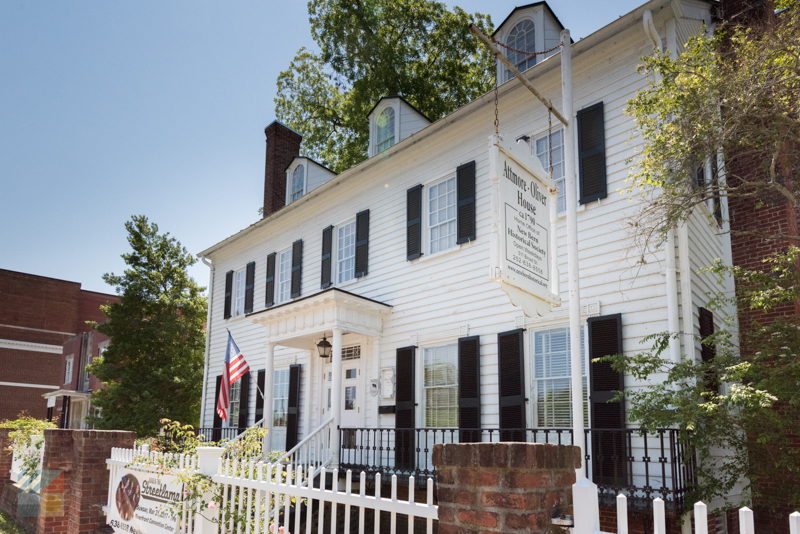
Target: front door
x,y
351,396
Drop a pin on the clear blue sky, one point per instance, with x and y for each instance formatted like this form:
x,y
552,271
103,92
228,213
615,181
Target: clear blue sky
x,y
109,109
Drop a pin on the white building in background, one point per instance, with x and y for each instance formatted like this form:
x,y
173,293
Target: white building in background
x,y
396,263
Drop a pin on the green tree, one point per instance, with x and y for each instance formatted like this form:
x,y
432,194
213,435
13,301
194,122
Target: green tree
x,y
735,94
373,48
153,368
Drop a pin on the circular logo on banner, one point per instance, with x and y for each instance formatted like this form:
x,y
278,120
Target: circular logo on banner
x,y
127,496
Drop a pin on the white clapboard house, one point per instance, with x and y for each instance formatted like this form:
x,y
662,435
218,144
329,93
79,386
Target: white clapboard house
x,y
401,264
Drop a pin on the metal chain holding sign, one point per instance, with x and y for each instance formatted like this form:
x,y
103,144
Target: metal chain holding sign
x,y
525,52
496,106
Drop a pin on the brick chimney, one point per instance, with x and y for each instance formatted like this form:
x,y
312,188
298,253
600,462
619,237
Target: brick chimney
x,y
283,145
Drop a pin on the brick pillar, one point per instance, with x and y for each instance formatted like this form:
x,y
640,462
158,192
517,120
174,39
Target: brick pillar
x,y
75,479
503,487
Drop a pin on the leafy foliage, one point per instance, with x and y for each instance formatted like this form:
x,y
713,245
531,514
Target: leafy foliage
x,y
755,414
735,92
373,48
27,440
153,368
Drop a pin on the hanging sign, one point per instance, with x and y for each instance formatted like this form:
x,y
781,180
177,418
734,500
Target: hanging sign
x,y
144,503
523,262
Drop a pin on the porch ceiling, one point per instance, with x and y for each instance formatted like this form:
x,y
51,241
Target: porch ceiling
x,y
297,322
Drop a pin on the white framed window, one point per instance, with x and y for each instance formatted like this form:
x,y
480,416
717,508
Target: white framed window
x,y
352,352
70,360
280,397
284,275
236,400
298,183
551,377
543,150
521,37
440,385
384,130
238,293
442,215
346,252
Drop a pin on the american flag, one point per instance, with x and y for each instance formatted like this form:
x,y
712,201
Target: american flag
x,y
235,367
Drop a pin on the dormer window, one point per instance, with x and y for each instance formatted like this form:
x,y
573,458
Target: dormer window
x,y
521,37
384,131
298,182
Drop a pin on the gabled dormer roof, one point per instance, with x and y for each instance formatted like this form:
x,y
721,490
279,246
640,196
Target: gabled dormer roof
x,y
409,104
526,6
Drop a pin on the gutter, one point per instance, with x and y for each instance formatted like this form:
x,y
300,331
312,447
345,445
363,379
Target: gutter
x,y
207,355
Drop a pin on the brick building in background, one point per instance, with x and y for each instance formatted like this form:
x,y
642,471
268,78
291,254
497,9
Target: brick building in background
x,y
38,315
757,224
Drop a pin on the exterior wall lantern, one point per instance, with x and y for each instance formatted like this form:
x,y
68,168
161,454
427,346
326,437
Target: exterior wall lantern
x,y
324,348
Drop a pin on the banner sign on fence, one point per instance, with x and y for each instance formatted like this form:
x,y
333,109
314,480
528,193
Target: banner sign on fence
x,y
144,502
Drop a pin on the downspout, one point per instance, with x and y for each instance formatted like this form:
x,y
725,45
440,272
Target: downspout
x,y
207,357
673,311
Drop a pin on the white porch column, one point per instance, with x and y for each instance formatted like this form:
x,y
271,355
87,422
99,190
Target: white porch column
x,y
336,392
269,366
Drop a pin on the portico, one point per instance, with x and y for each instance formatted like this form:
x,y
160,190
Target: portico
x,y
332,314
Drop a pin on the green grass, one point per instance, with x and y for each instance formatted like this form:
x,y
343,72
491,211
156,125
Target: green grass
x,y
8,526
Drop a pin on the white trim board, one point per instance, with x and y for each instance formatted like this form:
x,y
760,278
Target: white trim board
x,y
23,385
27,345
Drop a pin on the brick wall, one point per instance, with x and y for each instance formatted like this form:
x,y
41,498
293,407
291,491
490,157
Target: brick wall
x,y
74,481
44,310
503,487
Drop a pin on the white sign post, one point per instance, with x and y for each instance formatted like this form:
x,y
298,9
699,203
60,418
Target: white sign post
x,y
523,262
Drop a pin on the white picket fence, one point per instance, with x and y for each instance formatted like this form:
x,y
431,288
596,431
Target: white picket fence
x,y
261,498
587,514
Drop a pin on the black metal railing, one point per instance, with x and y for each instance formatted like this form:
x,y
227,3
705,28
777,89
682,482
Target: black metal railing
x,y
219,434
641,464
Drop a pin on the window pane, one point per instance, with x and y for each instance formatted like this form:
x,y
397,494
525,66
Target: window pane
x,y
552,377
285,276
543,152
280,396
384,135
346,252
298,182
350,398
238,292
233,411
442,215
521,38
440,369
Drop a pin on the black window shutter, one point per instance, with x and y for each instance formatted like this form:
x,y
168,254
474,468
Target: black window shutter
x,y
216,433
469,389
405,408
297,267
293,407
260,396
249,283
511,366
414,223
707,349
609,441
327,263
362,243
465,198
270,287
244,402
592,153
228,293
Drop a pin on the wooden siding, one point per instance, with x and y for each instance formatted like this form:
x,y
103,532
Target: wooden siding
x,y
428,312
